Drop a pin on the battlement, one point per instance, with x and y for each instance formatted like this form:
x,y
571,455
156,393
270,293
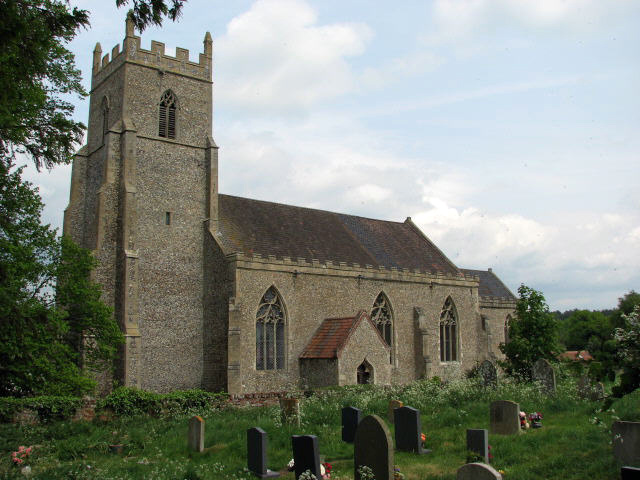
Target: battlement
x,y
155,57
355,270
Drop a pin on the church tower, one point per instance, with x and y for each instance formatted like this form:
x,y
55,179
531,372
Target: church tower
x,y
143,198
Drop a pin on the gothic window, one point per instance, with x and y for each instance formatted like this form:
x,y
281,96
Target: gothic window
x,y
270,321
507,325
105,117
448,332
167,117
382,317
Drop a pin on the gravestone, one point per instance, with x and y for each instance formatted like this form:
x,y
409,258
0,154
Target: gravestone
x,y
587,389
372,447
626,443
305,454
630,473
196,434
478,442
350,420
477,471
257,453
408,430
543,372
393,404
290,410
504,417
489,374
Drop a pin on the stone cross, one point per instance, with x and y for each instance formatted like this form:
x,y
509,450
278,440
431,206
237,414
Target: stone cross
x,y
478,442
477,471
543,372
196,434
350,420
373,448
257,453
408,430
626,443
393,404
504,417
489,374
305,454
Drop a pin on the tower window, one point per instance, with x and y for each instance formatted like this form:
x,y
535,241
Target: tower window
x,y
167,218
105,117
167,115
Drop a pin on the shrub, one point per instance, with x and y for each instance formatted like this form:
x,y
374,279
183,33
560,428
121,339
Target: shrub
x,y
49,408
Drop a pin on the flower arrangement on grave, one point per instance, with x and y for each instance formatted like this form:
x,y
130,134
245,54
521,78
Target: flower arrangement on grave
x,y
423,439
523,421
20,456
397,474
366,473
536,419
307,475
325,470
291,466
490,454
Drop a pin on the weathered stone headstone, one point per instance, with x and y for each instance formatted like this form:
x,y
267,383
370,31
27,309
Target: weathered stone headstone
x,y
290,410
504,417
588,389
350,420
477,471
489,374
626,443
305,454
393,404
630,473
257,453
196,434
372,447
478,442
543,372
408,430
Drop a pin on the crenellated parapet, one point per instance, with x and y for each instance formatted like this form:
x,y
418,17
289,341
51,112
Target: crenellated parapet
x,y
302,266
155,57
497,302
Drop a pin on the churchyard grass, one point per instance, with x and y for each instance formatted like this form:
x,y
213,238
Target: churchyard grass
x,y
574,442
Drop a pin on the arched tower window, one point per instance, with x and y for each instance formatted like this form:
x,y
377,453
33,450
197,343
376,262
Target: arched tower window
x,y
507,325
382,317
105,117
270,321
167,115
448,332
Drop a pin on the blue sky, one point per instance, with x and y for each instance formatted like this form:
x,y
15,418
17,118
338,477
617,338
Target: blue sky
x,y
509,130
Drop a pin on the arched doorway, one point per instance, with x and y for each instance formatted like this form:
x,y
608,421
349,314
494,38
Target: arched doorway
x,y
365,373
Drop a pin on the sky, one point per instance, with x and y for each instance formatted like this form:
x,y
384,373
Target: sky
x,y
508,130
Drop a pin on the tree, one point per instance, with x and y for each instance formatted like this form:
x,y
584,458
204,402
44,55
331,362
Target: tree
x,y
628,343
626,305
147,12
48,304
532,334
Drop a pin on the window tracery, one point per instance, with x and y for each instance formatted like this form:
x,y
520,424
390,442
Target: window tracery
x,y
448,332
382,317
270,321
167,115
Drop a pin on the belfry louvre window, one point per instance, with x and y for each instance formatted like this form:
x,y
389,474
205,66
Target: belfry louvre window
x,y
270,321
167,115
382,317
448,332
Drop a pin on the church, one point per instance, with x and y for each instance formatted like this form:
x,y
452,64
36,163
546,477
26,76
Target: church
x,y
220,292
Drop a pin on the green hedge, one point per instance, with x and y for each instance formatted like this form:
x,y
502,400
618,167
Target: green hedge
x,y
127,401
48,408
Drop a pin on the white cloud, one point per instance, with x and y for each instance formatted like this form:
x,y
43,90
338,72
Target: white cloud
x,y
275,58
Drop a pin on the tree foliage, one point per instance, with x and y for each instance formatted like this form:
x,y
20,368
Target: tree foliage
x,y
48,305
532,334
628,342
36,69
152,12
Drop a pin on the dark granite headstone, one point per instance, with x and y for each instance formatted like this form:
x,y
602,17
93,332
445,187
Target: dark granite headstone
x,y
477,471
626,443
478,442
489,374
305,454
350,420
630,473
408,430
373,448
257,453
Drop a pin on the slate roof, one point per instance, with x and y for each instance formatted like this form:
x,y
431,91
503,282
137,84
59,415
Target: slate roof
x,y
333,334
254,226
490,284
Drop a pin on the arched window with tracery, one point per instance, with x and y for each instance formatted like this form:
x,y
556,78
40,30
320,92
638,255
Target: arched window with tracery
x,y
448,332
105,116
507,325
167,115
382,317
270,321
